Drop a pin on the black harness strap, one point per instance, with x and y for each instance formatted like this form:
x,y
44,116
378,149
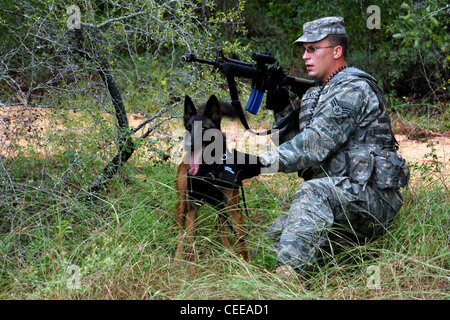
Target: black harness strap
x,y
244,204
207,185
236,103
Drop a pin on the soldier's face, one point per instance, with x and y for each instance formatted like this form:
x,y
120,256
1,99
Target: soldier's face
x,y
319,59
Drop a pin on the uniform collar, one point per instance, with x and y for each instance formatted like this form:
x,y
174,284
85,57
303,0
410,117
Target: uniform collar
x,y
324,83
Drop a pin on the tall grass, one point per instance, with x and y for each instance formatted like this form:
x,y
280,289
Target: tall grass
x,y
122,243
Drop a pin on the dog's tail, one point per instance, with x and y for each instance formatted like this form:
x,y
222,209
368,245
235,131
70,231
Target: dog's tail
x,y
226,109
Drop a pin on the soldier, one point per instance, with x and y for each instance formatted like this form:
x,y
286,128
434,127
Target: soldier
x,y
342,145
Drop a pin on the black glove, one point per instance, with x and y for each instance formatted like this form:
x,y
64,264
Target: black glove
x,y
277,99
246,165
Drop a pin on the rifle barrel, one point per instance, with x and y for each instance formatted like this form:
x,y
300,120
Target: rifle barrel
x,y
240,68
190,57
301,80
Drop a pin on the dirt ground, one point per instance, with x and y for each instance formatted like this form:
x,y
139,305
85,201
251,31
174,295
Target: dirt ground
x,y
415,150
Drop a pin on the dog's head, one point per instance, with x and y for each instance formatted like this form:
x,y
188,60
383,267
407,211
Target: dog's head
x,y
209,115
197,123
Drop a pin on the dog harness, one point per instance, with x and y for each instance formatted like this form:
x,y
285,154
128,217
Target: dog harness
x,y
210,180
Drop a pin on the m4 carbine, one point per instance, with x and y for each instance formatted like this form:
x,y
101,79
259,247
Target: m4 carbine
x,y
264,78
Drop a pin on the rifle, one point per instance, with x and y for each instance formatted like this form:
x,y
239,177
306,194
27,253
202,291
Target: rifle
x,y
264,78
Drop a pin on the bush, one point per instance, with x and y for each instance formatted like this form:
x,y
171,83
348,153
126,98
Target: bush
x,y
418,51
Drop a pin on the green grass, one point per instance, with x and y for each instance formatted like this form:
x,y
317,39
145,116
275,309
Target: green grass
x,y
123,242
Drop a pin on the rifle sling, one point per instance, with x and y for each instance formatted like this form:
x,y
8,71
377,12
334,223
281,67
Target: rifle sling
x,y
236,103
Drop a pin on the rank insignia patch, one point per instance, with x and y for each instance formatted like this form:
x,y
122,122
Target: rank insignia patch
x,y
337,109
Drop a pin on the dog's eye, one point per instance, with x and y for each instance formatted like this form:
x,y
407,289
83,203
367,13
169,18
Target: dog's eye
x,y
188,127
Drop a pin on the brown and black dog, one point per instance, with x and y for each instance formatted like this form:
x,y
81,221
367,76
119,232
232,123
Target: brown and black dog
x,y
196,183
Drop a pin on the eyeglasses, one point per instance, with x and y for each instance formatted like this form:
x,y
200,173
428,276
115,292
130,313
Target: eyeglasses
x,y
312,49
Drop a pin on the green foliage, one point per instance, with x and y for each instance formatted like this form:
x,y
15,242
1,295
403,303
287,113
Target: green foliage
x,y
408,54
418,50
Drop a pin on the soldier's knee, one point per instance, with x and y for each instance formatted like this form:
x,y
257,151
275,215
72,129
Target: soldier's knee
x,y
316,187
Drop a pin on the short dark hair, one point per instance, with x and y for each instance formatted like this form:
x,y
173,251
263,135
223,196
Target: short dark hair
x,y
339,40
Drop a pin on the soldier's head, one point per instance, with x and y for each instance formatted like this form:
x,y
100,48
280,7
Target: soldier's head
x,y
324,44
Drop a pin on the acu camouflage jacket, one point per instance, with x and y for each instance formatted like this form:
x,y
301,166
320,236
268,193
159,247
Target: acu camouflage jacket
x,y
343,130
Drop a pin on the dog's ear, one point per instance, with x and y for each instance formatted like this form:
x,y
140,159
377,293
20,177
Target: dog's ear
x,y
212,110
189,109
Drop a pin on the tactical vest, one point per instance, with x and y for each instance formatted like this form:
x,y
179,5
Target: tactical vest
x,y
369,156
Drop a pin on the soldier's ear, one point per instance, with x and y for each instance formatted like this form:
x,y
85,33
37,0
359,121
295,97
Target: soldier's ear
x,y
338,52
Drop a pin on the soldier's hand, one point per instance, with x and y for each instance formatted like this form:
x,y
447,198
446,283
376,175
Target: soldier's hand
x,y
246,165
277,99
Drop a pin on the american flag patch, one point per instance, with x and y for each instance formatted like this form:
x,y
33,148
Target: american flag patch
x,y
337,109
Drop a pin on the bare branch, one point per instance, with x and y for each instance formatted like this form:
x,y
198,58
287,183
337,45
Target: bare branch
x,y
109,21
435,12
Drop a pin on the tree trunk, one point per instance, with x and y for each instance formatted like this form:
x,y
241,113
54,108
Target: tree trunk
x,y
206,13
125,143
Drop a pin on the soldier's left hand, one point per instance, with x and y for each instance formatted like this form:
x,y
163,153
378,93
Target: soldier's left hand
x,y
246,165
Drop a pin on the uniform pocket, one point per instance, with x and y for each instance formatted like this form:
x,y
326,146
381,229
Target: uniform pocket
x,y
360,164
337,165
391,170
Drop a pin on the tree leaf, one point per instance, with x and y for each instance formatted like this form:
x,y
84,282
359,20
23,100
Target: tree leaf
x,y
405,6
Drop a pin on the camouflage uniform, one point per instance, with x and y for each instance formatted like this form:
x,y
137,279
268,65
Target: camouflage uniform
x,y
345,137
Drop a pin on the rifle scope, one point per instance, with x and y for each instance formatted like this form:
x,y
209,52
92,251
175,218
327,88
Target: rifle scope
x,y
263,58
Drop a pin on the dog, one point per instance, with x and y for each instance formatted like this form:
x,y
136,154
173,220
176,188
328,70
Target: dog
x,y
198,183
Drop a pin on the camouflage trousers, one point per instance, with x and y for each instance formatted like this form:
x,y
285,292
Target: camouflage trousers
x,y
330,210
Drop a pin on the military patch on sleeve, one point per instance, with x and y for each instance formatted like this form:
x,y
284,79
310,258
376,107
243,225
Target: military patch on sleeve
x,y
338,110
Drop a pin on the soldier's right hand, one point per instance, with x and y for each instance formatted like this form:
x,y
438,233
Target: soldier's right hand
x,y
277,99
